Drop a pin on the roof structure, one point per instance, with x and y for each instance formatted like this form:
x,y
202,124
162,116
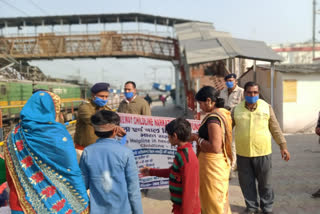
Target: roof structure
x,y
295,68
202,43
89,19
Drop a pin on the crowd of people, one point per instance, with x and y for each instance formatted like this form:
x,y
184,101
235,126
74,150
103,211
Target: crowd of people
x,y
44,176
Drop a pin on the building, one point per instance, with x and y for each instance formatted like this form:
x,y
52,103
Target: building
x,y
296,94
297,53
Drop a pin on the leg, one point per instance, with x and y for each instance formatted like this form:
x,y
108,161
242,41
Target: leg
x,y
247,182
263,172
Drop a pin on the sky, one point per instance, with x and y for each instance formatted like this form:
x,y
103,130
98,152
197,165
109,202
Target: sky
x,y
272,21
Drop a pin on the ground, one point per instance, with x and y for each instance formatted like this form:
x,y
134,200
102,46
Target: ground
x,y
293,181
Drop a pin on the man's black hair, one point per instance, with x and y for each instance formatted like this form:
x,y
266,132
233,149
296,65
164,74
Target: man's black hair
x,y
251,84
131,82
105,117
181,127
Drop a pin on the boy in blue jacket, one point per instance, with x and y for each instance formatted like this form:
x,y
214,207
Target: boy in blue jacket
x,y
109,169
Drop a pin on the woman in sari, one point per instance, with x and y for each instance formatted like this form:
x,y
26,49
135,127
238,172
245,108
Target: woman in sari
x,y
214,152
42,169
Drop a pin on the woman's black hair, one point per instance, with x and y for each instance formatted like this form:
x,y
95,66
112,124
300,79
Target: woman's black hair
x,y
105,117
210,92
181,127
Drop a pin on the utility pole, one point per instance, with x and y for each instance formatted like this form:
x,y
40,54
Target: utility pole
x,y
314,3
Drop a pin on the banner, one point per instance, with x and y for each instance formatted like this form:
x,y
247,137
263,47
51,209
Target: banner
x,y
147,138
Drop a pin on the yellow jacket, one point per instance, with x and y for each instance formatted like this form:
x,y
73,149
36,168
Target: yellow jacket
x,y
252,134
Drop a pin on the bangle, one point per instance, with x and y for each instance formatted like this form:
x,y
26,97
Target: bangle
x,y
200,140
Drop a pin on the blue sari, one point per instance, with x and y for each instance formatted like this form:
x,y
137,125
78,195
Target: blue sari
x,y
41,160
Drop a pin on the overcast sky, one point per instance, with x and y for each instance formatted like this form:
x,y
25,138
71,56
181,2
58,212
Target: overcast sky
x,y
272,21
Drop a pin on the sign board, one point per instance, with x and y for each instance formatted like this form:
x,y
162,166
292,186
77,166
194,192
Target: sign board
x,y
147,138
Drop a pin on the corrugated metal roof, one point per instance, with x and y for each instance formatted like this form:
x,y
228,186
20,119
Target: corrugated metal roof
x,y
202,43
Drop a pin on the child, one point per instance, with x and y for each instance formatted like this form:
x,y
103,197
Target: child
x,y
109,169
184,173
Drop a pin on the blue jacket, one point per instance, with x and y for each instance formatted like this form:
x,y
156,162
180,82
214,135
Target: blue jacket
x,y
110,172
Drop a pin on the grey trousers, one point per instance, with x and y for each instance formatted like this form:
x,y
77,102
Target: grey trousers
x,y
251,170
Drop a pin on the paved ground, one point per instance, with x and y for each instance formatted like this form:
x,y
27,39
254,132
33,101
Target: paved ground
x,y
293,181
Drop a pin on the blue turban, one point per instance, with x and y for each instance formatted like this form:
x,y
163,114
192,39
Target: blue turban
x,y
230,76
100,86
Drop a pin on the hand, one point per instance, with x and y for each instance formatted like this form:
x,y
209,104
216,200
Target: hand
x,y
194,137
120,131
285,154
145,171
318,131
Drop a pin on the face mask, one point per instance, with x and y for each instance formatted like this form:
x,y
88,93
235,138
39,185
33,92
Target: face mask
x,y
100,102
128,95
229,84
252,100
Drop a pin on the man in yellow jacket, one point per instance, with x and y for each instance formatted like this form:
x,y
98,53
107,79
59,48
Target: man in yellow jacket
x,y
255,123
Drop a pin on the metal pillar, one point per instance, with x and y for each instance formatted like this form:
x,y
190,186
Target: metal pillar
x,y
272,84
254,71
198,105
314,3
177,80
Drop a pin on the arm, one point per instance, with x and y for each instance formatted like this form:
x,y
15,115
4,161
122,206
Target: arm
x,y
131,174
318,126
190,185
233,121
84,169
84,114
277,135
160,172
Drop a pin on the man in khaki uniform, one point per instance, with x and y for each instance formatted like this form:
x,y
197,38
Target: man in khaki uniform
x,y
232,96
133,104
84,135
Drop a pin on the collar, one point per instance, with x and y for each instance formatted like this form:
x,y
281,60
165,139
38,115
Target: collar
x,y
251,109
107,140
127,101
187,145
237,88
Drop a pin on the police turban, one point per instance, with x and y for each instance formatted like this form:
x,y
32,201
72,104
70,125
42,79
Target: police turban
x,y
100,86
230,76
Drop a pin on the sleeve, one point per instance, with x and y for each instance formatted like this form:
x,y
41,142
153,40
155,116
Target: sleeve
x,y
275,130
131,174
84,114
189,189
213,120
164,173
233,121
146,109
84,168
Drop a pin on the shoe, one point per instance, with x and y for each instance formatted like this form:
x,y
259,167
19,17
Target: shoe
x,y
316,194
266,212
248,211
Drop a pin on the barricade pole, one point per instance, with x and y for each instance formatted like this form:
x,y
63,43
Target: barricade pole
x,y
1,126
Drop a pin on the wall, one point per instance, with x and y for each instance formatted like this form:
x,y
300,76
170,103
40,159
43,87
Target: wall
x,y
301,116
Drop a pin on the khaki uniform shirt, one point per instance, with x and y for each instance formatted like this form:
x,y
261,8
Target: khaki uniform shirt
x,y
84,135
234,98
137,106
274,127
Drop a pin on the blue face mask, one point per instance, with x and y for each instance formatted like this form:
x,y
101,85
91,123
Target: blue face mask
x,y
229,84
100,102
252,100
128,95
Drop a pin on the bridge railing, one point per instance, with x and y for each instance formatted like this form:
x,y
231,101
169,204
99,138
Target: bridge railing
x,y
50,45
